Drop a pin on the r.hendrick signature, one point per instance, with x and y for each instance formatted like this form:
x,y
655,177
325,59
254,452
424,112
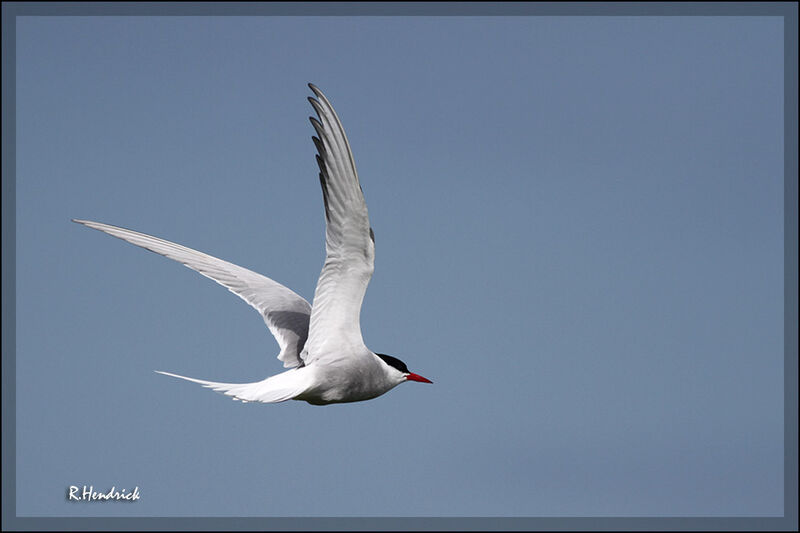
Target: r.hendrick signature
x,y
88,494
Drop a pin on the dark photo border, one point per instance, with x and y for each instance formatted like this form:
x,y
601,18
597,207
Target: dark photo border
x,y
787,10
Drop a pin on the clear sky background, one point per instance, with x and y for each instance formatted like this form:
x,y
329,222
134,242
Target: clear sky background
x,y
579,229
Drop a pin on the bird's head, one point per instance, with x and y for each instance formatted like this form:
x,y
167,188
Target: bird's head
x,y
399,371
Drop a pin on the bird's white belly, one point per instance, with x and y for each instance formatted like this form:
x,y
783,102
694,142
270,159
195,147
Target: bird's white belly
x,y
346,381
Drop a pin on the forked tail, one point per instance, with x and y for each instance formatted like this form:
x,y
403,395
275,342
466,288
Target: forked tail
x,y
274,389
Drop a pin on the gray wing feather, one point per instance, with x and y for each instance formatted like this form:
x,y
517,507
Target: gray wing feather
x,y
349,242
285,313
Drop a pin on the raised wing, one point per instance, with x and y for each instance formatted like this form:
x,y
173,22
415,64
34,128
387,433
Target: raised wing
x,y
349,242
286,314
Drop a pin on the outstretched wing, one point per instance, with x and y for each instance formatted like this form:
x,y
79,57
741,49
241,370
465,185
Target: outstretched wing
x,y
286,314
349,241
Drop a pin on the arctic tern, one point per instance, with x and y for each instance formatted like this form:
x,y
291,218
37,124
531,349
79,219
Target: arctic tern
x,y
321,345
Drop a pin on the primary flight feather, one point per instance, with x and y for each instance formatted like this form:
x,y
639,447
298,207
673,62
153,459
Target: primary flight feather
x,y
321,344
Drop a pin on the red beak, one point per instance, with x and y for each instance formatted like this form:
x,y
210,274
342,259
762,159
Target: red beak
x,y
416,377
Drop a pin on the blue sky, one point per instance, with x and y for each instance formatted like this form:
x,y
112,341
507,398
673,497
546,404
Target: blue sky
x,y
579,239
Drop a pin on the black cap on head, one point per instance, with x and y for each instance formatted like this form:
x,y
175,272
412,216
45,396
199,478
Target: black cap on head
x,y
394,362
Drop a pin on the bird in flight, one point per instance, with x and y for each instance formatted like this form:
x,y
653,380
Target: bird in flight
x,y
321,345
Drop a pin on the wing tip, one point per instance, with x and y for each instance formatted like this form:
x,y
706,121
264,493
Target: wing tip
x,y
319,146
316,105
317,125
91,224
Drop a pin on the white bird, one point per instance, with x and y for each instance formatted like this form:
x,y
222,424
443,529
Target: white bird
x,y
321,344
